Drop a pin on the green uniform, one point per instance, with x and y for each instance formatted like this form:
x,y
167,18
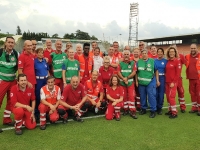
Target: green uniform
x,y
8,68
145,71
57,61
72,69
126,70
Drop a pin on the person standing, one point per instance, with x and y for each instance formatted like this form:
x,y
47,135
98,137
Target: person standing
x,y
114,61
94,45
160,90
117,53
41,72
193,74
172,74
23,104
97,60
153,52
58,58
70,68
79,51
26,63
86,63
8,68
147,79
47,55
126,72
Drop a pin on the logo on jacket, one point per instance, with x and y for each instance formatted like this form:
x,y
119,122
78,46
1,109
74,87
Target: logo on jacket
x,y
19,62
162,63
75,65
29,94
79,92
117,94
129,66
12,58
149,65
11,94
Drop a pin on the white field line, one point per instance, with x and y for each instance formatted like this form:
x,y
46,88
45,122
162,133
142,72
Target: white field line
x,y
98,116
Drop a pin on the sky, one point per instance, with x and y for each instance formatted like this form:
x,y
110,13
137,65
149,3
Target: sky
x,y
105,19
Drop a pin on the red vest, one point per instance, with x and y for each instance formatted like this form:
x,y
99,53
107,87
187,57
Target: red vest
x,y
51,97
93,92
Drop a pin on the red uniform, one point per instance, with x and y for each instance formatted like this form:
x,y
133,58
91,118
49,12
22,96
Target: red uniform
x,y
93,91
118,55
72,97
105,75
51,97
180,87
114,111
172,74
114,60
152,56
47,54
22,115
194,80
26,63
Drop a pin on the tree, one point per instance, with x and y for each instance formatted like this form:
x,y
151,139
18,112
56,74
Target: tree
x,y
93,38
82,35
55,35
19,32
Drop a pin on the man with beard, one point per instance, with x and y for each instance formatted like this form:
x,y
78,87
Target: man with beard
x,y
193,74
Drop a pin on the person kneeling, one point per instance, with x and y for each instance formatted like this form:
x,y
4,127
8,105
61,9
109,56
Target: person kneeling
x,y
50,95
94,90
115,95
21,98
73,97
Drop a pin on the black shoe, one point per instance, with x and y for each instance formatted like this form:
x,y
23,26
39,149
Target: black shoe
x,y
117,119
18,132
193,111
198,113
65,120
183,111
168,113
159,111
152,114
78,119
43,127
125,113
172,116
138,109
133,115
1,130
142,112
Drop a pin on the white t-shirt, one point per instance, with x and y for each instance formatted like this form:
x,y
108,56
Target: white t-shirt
x,y
98,62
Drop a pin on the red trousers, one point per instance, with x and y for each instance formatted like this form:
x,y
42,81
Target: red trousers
x,y
43,110
194,89
112,111
23,116
180,90
171,95
129,98
5,87
59,82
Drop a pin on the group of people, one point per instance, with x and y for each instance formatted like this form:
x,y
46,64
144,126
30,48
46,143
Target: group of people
x,y
51,83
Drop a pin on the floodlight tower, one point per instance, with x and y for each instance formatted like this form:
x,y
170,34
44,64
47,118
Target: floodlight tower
x,y
133,25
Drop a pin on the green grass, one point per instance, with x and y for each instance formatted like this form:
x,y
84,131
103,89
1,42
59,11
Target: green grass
x,y
160,133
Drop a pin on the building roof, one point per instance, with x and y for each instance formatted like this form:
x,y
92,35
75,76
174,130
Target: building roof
x,y
171,38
